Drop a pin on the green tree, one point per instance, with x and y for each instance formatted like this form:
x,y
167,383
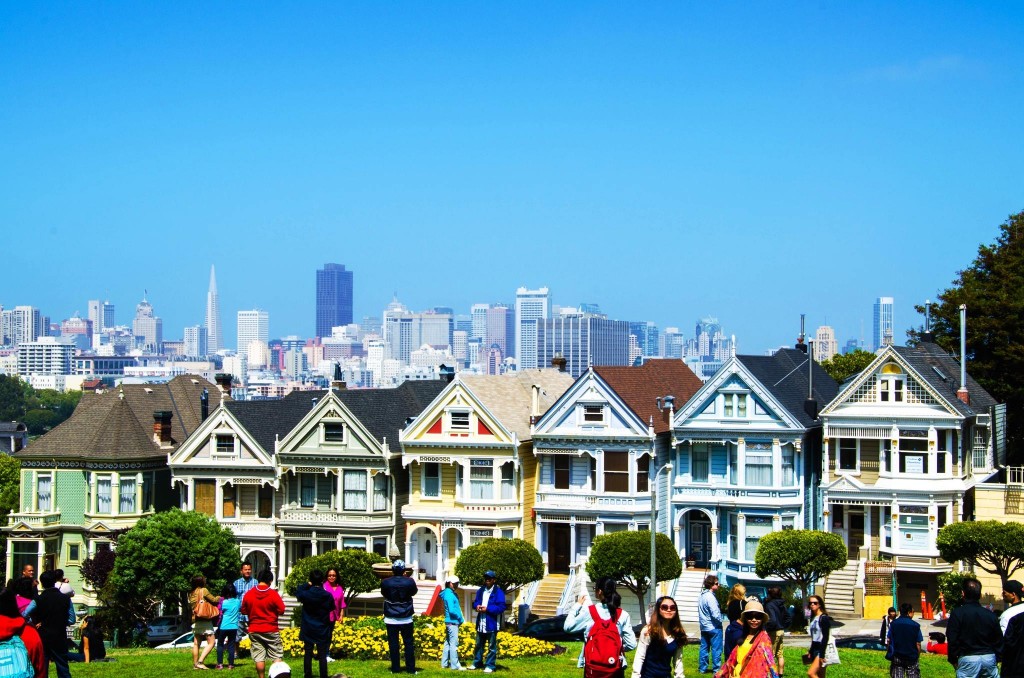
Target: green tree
x,y
515,561
842,366
355,568
951,588
12,398
801,557
991,289
10,487
993,546
161,554
626,556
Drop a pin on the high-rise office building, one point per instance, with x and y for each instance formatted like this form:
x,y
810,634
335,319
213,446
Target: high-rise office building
x,y
882,334
825,343
21,324
531,306
583,339
147,328
214,335
253,326
405,331
478,312
500,330
333,298
196,342
46,355
647,337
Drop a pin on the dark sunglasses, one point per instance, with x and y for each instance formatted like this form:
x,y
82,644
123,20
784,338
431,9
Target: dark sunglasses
x,y
668,608
814,602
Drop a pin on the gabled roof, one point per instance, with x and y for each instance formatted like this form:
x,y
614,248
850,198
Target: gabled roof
x,y
107,426
640,387
926,358
785,376
509,397
383,411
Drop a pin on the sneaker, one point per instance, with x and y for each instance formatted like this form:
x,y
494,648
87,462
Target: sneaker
x,y
488,670
471,667
219,666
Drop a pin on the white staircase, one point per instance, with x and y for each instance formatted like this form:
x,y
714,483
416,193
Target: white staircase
x,y
549,593
839,591
686,590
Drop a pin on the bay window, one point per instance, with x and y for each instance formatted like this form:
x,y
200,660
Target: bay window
x,y
481,479
616,471
355,491
759,465
757,528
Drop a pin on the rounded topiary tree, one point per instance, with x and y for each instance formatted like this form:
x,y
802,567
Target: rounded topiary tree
x,y
799,556
515,561
990,545
355,568
626,556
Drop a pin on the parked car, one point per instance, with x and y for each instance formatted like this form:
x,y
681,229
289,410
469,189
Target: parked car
x,y
166,629
551,629
184,641
864,642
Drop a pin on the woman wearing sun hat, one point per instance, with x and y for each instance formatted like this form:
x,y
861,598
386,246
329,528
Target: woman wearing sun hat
x,y
752,657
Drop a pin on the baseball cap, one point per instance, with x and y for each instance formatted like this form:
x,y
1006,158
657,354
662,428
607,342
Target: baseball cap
x,y
398,566
279,668
489,574
452,579
1015,587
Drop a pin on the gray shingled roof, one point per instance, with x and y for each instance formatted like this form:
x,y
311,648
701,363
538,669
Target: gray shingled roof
x,y
785,376
927,357
383,411
106,427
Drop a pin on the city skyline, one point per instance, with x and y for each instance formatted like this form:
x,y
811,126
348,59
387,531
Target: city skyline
x,y
625,156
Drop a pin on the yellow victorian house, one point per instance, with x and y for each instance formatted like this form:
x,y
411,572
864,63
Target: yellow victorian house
x,y
471,466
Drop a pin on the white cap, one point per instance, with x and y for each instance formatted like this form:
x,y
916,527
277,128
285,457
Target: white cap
x,y
452,579
279,668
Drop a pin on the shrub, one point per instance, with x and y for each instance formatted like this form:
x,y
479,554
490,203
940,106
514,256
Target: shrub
x,y
950,587
355,568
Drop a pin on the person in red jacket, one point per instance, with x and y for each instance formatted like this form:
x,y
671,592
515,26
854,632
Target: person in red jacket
x,y
264,606
13,624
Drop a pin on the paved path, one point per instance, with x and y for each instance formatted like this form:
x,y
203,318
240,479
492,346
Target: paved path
x,y
860,627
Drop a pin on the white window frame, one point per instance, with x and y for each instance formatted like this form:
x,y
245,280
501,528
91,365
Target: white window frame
x,y
479,463
333,422
109,477
460,412
423,480
46,475
122,495
839,456
216,452
587,412
366,501
892,389
707,462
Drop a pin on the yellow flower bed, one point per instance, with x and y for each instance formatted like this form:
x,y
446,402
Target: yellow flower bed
x,y
367,638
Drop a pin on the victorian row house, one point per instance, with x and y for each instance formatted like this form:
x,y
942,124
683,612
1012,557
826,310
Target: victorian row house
x,y
309,473
904,444
471,465
99,472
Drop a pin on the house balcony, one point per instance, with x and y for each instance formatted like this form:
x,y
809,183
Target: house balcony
x,y
296,515
736,495
115,521
466,509
35,519
559,499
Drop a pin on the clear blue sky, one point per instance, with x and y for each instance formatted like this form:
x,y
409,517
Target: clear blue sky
x,y
746,160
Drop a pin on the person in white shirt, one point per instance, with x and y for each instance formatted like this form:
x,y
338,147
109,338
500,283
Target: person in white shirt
x,y
1013,592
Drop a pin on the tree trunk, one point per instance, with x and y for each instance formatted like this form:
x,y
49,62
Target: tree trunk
x,y
643,608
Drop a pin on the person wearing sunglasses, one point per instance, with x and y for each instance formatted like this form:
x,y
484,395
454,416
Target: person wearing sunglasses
x,y
659,651
820,630
752,657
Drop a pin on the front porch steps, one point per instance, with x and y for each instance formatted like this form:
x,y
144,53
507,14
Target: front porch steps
x,y
839,591
686,590
545,603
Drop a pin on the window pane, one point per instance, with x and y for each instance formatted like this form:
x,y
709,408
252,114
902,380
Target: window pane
x,y
699,463
334,433
642,471
43,484
266,501
508,487
788,470
355,491
758,468
307,490
757,527
562,466
228,505
206,491
103,495
225,444
380,492
431,480
460,421
847,454
127,495
481,479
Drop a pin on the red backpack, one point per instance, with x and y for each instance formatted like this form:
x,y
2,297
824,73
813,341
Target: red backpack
x,y
604,646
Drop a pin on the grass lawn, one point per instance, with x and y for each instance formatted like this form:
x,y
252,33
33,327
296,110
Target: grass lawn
x,y
171,663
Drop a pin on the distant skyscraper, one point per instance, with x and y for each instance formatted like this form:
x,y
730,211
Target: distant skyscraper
x,y
499,329
196,342
214,336
531,306
882,334
21,324
673,343
147,328
647,336
584,341
478,312
95,315
333,298
825,344
253,326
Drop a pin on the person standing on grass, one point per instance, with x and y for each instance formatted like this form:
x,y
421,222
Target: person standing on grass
x,y
51,618
489,605
398,591
315,632
779,620
733,609
883,633
203,628
820,630
333,586
263,607
243,585
608,605
659,651
453,619
13,624
975,639
752,656
227,632
905,645
709,618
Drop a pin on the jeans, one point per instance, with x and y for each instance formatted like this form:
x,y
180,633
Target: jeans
x,y
977,666
450,653
710,641
58,654
410,652
491,640
226,637
321,655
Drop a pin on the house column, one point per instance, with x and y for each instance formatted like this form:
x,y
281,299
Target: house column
x,y
824,460
139,508
572,539
868,510
115,493
715,547
92,493
281,555
741,462
777,461
313,544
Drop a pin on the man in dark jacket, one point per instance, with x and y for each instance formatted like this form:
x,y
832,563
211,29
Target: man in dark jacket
x,y
974,636
51,617
904,636
490,605
398,591
779,620
317,604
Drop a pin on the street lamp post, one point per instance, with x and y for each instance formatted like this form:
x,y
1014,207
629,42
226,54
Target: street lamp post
x,y
654,515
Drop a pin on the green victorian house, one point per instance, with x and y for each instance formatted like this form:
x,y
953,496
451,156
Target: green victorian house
x,y
100,471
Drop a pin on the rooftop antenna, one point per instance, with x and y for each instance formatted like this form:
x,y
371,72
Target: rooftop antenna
x,y
927,315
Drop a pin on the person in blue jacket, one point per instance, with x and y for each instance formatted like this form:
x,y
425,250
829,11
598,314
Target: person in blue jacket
x,y
490,605
453,619
398,592
315,631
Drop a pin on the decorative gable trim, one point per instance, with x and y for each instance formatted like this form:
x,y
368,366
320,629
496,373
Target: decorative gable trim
x,y
220,419
590,390
330,410
733,371
448,420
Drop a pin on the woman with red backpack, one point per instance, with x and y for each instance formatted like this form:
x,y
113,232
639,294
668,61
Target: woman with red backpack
x,y
607,630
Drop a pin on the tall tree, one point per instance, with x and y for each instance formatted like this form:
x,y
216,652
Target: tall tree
x,y
10,485
991,288
997,548
626,556
12,398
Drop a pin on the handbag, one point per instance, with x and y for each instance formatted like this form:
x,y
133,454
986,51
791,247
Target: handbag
x,y
204,609
831,653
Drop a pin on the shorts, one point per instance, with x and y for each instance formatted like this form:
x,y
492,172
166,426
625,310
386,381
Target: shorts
x,y
266,646
203,628
817,650
777,637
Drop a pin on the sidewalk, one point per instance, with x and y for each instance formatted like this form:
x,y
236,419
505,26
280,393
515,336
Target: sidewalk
x,y
843,628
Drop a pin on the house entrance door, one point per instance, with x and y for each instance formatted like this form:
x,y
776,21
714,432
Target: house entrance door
x,y
700,539
559,545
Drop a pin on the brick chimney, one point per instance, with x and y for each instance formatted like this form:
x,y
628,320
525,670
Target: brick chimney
x,y
162,428
559,362
223,383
